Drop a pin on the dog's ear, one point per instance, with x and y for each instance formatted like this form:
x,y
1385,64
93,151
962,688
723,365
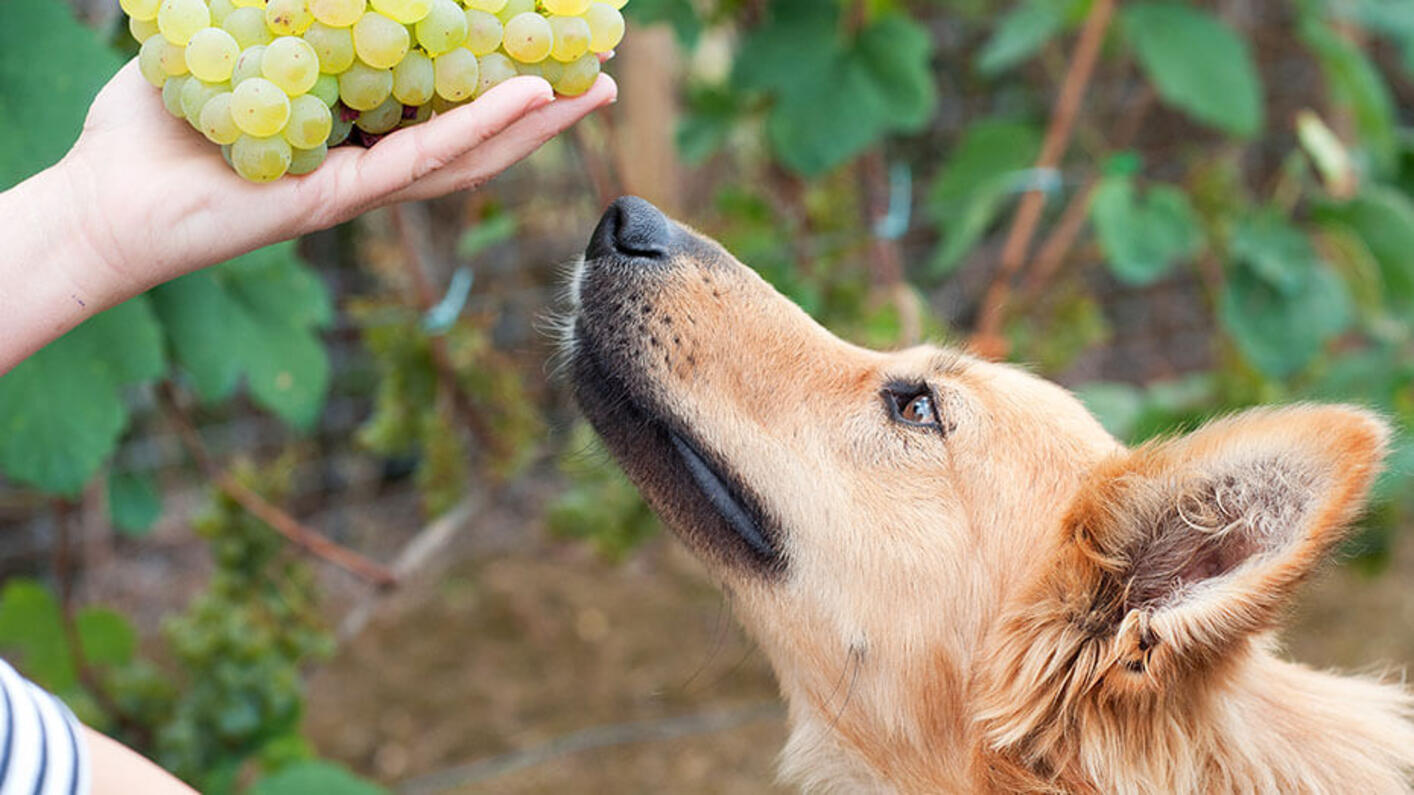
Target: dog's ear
x,y
1187,547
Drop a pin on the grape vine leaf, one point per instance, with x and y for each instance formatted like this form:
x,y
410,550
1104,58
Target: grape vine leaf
x,y
1024,30
835,96
134,503
48,81
1143,238
980,174
1355,83
1383,218
325,778
1281,321
62,409
1198,64
256,316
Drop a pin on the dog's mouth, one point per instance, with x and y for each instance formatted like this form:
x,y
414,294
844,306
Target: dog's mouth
x,y
692,489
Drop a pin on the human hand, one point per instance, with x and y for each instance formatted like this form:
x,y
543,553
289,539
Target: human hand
x,y
155,200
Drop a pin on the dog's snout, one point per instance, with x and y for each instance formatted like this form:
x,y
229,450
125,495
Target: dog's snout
x,y
632,227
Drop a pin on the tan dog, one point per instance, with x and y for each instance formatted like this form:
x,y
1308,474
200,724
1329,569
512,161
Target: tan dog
x,y
963,582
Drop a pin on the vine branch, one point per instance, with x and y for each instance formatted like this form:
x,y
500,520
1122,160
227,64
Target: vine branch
x,y
292,529
988,340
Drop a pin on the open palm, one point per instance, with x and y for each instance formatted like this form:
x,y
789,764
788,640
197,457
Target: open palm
x,y
160,201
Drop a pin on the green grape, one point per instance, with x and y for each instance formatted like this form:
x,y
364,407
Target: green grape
x,y
571,38
288,17
565,7
578,76
443,29
260,4
327,89
216,121
456,74
337,13
260,159
381,119
364,88
528,38
616,4
441,105
248,64
172,94
149,60
260,107
483,32
405,11
548,70
195,94
211,55
303,161
414,79
489,6
380,41
220,9
247,25
290,63
180,19
333,46
142,29
340,131
514,8
495,69
606,27
145,10
310,122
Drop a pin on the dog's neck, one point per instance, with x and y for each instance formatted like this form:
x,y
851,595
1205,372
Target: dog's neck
x,y
1272,727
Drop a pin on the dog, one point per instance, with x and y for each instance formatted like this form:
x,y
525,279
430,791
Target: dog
x,y
962,581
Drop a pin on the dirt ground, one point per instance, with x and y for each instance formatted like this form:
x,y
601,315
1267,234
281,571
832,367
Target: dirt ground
x,y
459,688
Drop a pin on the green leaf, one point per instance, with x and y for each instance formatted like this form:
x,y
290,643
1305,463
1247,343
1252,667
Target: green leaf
x,y
62,411
1384,220
1355,83
834,98
133,503
1142,239
1281,332
31,629
258,316
47,81
979,177
680,14
1277,252
107,637
1198,64
305,778
1023,31
711,114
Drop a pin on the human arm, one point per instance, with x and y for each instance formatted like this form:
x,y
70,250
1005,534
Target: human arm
x,y
142,199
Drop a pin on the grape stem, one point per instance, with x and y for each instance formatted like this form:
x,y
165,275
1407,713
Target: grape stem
x,y
292,529
988,339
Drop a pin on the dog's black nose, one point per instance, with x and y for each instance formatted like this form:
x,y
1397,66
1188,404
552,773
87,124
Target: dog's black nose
x,y
631,227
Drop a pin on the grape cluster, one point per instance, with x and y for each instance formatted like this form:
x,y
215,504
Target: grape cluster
x,y
277,82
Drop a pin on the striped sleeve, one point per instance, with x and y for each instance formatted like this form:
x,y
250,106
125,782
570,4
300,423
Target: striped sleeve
x,y
42,751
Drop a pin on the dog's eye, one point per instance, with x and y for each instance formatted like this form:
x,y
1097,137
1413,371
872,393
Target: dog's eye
x,y
914,407
920,410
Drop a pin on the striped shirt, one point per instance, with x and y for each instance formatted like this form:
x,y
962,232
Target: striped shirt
x,y
41,749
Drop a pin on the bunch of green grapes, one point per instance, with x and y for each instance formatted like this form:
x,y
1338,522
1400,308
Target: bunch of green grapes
x,y
277,82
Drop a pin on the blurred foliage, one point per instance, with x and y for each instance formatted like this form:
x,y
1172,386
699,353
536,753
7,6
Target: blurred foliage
x,y
1258,157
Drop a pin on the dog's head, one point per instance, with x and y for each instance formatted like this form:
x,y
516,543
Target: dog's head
x,y
939,550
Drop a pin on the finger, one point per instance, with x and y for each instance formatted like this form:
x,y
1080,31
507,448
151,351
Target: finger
x,y
512,145
353,180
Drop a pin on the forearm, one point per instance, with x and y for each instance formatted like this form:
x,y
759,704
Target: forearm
x,y
118,770
52,277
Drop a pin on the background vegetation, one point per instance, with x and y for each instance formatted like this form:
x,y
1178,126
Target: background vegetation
x,y
1176,208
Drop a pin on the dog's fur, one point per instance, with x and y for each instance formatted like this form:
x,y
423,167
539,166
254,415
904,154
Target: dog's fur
x,y
1009,600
